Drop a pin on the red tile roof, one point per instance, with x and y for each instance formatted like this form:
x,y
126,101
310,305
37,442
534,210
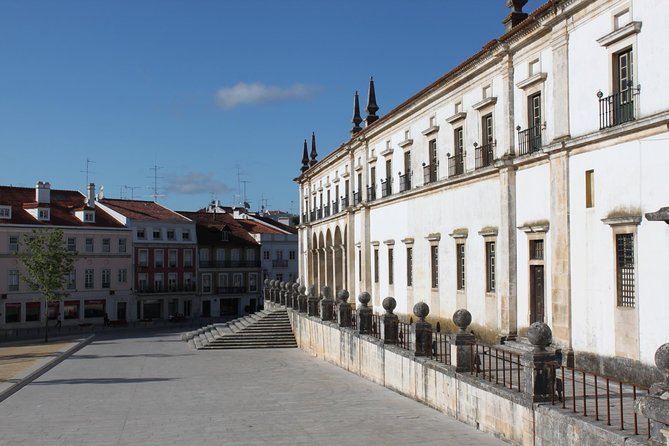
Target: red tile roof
x,y
63,204
143,210
210,225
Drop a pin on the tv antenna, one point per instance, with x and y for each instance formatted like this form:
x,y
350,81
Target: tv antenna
x,y
155,170
87,171
132,190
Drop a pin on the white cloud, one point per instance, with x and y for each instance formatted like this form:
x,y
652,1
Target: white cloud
x,y
195,183
257,93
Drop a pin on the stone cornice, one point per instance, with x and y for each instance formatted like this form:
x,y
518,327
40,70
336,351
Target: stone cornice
x,y
485,103
534,79
619,34
456,117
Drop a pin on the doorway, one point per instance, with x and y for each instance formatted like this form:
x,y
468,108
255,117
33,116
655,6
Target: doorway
x,y
121,309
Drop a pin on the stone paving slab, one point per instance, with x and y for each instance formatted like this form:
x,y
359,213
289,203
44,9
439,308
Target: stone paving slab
x,y
155,390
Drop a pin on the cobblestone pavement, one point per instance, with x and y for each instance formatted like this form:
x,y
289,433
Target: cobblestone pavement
x,y
155,390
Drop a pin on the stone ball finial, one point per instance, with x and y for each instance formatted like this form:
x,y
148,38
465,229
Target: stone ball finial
x,y
289,286
266,282
540,335
327,292
342,295
272,283
662,361
296,287
364,298
302,289
282,284
312,290
389,304
462,318
421,310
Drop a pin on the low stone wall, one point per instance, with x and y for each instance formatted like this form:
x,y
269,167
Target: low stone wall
x,y
501,412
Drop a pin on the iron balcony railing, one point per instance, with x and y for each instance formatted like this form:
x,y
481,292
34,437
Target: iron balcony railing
x,y
344,202
312,215
230,290
326,210
405,181
166,289
529,140
279,263
357,197
429,173
335,207
305,218
386,187
617,108
484,155
456,164
229,263
319,213
371,193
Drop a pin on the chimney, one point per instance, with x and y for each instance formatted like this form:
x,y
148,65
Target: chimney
x,y
90,198
517,15
43,192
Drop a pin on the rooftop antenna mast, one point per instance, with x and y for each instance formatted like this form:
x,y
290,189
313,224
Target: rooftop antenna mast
x,y
87,171
132,190
245,199
155,169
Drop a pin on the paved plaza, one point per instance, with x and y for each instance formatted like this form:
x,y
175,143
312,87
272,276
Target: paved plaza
x,y
153,389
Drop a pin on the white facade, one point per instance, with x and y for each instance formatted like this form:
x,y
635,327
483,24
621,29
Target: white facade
x,y
570,173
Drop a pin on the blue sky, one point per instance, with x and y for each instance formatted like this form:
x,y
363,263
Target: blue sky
x,y
209,89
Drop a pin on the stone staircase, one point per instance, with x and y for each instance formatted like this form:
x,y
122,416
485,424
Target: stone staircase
x,y
264,329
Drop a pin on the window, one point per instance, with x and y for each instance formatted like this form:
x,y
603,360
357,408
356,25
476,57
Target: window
x,y
89,245
185,235
460,259
534,111
158,283
159,258
409,266
390,266
42,214
89,216
279,255
143,257
536,249
625,269
71,244
621,19
13,243
106,245
488,135
172,258
13,282
5,212
171,235
188,282
106,278
458,107
157,235
188,258
206,283
88,278
122,245
434,265
12,312
534,68
487,92
291,255
141,234
456,162
237,281
359,264
407,135
122,275
172,282
589,188
71,309
222,280
265,255
376,265
142,282
490,266
433,121
33,311
253,282
71,281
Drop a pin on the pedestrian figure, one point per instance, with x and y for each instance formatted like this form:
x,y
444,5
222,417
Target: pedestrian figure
x,y
106,319
59,320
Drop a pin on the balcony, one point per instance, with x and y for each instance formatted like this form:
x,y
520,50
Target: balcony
x,y
344,202
386,187
230,290
305,218
357,197
617,108
170,289
405,181
229,263
429,173
279,263
326,211
312,216
456,164
484,155
319,213
335,207
529,140
371,193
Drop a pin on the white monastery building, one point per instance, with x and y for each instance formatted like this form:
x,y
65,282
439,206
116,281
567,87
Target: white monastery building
x,y
527,184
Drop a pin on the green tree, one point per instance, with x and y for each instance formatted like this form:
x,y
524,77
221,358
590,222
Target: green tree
x,y
47,263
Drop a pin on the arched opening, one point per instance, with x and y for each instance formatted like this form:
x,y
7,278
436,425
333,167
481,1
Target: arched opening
x,y
327,254
338,261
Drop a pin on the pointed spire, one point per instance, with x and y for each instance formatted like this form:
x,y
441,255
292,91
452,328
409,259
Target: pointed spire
x,y
313,150
356,115
305,158
372,108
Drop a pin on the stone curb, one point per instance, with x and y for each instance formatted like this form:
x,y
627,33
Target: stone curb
x,y
45,368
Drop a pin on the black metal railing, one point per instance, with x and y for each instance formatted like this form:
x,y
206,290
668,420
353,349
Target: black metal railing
x,y
498,365
229,263
600,397
344,202
357,197
167,289
305,218
429,173
405,181
617,108
335,207
441,347
326,210
484,155
312,216
456,164
529,140
230,290
371,193
386,187
319,213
